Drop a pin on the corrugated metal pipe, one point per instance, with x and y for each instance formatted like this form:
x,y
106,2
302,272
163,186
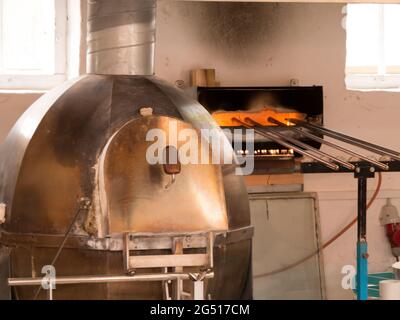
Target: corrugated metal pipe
x,y
121,37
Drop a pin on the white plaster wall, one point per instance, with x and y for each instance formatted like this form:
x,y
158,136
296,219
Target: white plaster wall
x,y
12,105
268,44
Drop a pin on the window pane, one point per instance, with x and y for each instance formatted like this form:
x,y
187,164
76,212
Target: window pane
x,y
392,35
362,28
28,33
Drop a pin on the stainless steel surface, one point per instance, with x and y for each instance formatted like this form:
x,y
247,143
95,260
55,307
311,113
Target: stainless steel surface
x,y
18,282
350,140
332,145
198,293
135,196
52,157
148,241
306,146
235,235
2,213
194,113
157,261
299,150
121,37
86,139
290,146
5,290
12,150
178,258
84,205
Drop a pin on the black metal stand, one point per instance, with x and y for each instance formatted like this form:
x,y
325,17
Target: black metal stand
x,y
362,174
326,163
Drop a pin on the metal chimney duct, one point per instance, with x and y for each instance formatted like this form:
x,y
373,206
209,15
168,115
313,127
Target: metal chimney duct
x,y
121,37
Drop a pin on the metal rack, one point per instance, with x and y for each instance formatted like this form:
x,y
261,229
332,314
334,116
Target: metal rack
x,y
198,262
195,277
147,242
323,162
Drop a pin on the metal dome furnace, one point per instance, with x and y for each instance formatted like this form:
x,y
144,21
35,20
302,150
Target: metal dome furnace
x,y
79,194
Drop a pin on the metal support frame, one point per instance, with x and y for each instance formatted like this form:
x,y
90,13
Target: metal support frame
x,y
205,241
198,290
143,277
362,175
325,163
176,260
196,278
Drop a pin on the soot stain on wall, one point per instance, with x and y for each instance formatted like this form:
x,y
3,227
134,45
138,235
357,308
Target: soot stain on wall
x,y
239,31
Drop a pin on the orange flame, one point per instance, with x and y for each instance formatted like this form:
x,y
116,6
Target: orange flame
x,y
226,118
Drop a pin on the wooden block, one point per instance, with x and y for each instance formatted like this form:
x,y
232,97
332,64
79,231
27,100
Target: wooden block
x,y
210,77
202,78
198,78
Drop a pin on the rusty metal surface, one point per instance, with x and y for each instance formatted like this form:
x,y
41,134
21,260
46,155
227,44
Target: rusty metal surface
x,y
50,160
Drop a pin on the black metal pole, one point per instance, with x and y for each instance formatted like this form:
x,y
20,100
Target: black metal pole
x,y
362,209
362,175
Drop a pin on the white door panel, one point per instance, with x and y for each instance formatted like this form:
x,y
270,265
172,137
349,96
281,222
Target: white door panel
x,y
286,231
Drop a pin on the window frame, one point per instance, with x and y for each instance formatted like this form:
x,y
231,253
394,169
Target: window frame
x,y
42,81
379,77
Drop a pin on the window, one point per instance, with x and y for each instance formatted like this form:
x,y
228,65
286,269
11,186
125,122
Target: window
x,y
33,43
373,46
